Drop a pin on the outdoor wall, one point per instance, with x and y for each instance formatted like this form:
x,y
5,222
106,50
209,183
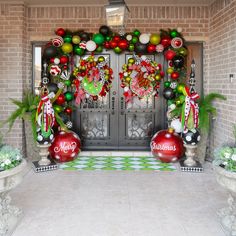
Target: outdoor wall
x,y
221,61
22,25
12,63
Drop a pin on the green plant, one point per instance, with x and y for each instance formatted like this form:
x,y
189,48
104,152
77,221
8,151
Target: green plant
x,y
26,109
206,110
9,157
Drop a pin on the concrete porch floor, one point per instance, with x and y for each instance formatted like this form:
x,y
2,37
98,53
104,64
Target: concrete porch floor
x,y
120,203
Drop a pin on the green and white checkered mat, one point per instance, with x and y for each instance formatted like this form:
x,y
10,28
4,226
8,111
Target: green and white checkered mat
x,y
117,163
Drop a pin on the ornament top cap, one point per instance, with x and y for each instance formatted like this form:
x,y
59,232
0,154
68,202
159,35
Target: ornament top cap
x,y
171,130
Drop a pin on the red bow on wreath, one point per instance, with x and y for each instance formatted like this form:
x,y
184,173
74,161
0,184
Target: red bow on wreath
x,y
190,110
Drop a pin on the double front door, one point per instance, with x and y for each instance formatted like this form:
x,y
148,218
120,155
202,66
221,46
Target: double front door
x,y
111,123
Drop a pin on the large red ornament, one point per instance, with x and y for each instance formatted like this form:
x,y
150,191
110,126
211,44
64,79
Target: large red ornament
x,y
167,145
65,146
123,44
60,99
116,38
151,48
175,75
166,41
60,32
169,54
63,59
113,44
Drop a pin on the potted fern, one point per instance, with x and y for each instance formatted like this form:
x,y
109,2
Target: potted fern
x,y
26,110
206,112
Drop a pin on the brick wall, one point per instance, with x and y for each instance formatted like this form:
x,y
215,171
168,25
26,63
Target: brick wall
x,y
220,63
13,70
21,25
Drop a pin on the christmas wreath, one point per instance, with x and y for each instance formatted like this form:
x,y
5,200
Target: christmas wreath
x,y
140,77
93,78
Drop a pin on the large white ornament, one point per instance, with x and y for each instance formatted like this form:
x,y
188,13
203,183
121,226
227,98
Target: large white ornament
x,y
91,46
144,38
176,125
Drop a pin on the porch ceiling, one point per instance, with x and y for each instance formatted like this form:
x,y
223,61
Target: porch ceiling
x,y
103,2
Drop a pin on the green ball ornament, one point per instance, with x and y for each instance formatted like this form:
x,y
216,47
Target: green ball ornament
x,y
155,39
178,101
174,33
117,50
136,33
180,88
131,47
67,38
68,96
134,40
101,59
79,51
108,38
76,39
67,47
67,82
99,49
58,108
98,39
167,84
183,51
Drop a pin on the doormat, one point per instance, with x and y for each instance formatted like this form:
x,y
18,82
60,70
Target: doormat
x,y
117,163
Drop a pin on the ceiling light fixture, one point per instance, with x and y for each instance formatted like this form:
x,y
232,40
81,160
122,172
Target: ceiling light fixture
x,y
116,13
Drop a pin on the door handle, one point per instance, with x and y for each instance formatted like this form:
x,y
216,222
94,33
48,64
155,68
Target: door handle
x,y
122,105
113,105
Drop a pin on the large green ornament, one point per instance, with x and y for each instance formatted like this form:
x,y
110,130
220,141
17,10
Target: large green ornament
x,y
98,39
180,88
134,40
67,39
78,51
167,84
92,88
131,47
67,82
174,33
58,108
183,51
68,96
136,33
117,50
108,38
99,49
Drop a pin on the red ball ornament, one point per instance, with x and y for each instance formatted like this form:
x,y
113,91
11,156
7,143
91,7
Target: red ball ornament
x,y
52,59
116,38
151,48
60,32
123,44
61,99
175,75
63,59
68,110
65,146
106,45
113,44
167,146
166,41
169,54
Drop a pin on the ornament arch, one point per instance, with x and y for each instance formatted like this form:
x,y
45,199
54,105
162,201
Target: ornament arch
x,y
59,54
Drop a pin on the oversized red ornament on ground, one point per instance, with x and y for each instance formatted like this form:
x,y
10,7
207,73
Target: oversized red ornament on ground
x,y
65,146
167,146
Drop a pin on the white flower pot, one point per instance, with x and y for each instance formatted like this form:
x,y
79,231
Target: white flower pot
x,y
9,215
228,214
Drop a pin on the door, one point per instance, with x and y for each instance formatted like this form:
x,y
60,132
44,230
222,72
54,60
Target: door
x,y
110,123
